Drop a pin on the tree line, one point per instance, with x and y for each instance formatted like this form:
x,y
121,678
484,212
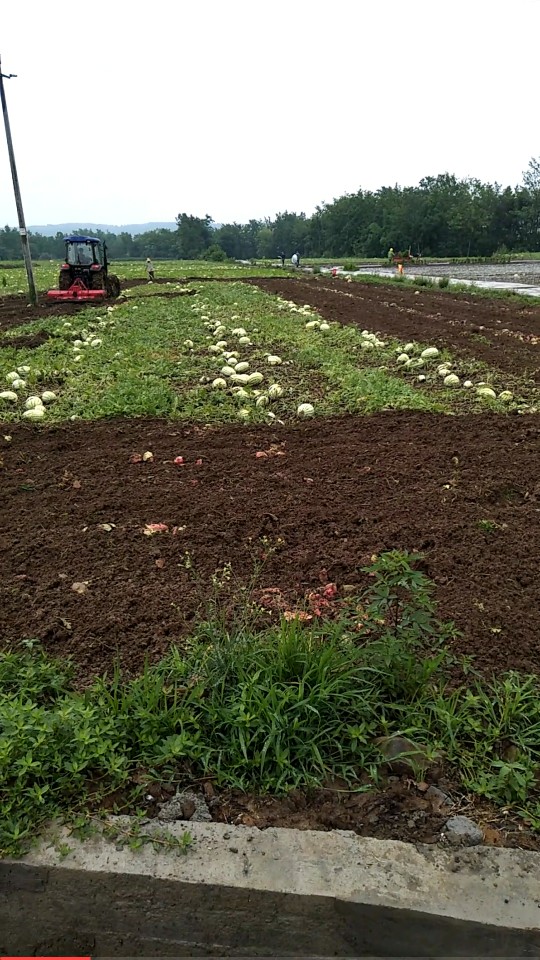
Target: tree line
x,y
442,216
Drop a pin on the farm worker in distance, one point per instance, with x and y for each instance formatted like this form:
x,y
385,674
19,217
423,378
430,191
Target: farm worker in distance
x,y
294,259
282,258
150,269
390,255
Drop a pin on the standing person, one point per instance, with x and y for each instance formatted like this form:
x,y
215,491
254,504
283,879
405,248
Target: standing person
x,y
282,258
390,255
150,269
294,260
297,259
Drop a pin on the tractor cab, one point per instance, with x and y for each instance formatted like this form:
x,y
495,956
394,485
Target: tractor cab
x,y
83,251
84,274
86,260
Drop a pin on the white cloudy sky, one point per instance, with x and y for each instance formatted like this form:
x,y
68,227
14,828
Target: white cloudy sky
x,y
127,112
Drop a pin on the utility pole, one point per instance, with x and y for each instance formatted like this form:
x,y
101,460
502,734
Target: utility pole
x,y
16,189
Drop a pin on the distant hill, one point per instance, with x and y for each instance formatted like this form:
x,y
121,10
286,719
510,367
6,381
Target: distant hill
x,y
51,229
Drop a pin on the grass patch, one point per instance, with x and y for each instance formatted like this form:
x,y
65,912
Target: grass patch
x,y
267,711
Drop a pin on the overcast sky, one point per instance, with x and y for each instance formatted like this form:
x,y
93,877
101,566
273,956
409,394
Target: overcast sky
x,y
129,112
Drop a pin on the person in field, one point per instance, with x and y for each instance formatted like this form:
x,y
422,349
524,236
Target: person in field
x,y
150,269
295,260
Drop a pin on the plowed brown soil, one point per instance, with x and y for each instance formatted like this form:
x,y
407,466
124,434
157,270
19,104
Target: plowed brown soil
x,y
464,491
501,333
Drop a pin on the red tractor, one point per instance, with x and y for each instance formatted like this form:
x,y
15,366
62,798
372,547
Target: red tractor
x,y
85,273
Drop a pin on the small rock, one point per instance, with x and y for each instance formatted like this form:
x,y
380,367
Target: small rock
x,y
233,849
185,806
509,752
402,755
188,809
464,832
438,798
172,809
208,790
81,587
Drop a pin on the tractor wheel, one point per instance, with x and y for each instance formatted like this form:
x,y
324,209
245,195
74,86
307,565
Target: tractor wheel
x,y
64,280
97,280
112,286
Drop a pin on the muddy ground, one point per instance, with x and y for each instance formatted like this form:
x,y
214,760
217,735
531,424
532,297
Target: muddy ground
x,y
500,333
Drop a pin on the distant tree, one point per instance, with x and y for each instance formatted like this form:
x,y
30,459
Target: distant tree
x,y
215,253
266,244
289,233
530,210
125,244
10,243
441,216
531,176
231,239
251,237
161,244
194,235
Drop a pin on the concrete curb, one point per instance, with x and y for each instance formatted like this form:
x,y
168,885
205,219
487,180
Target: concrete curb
x,y
244,892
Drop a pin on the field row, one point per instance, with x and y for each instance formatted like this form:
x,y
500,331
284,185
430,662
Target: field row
x,y
162,351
